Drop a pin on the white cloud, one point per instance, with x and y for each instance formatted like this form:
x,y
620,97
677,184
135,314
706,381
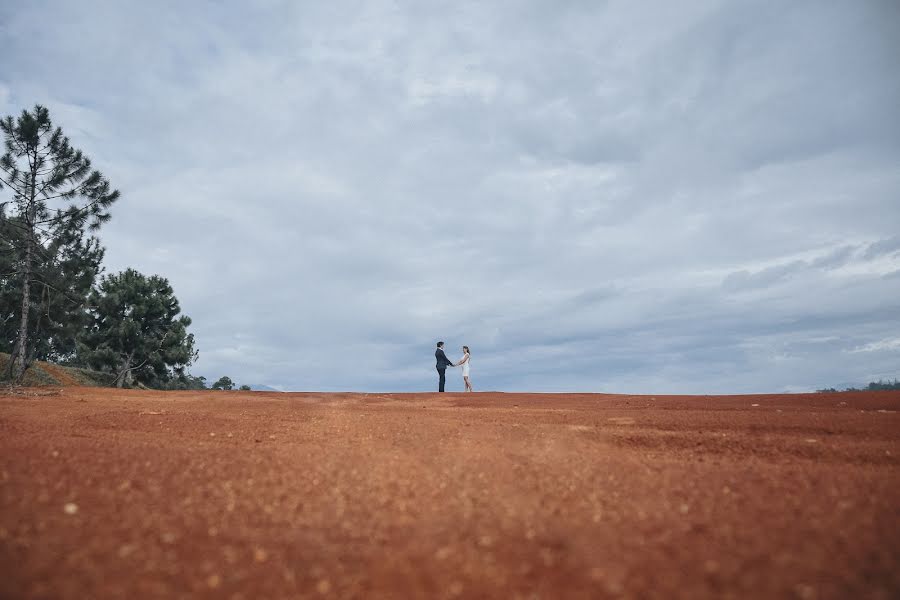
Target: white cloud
x,y
880,345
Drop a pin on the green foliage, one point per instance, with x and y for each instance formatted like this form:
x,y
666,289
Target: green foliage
x,y
64,269
51,200
135,331
224,383
55,197
186,381
244,388
40,167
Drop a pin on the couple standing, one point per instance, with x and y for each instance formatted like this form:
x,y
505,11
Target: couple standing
x,y
443,362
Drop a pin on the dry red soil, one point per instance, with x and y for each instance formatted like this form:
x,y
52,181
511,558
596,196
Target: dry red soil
x,y
129,494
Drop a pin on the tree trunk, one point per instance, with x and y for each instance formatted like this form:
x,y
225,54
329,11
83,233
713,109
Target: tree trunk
x,y
120,378
12,361
20,360
125,373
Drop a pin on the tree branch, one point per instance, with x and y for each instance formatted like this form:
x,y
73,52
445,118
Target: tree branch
x,y
66,214
144,362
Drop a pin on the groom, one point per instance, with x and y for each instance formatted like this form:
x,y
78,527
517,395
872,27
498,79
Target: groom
x,y
442,363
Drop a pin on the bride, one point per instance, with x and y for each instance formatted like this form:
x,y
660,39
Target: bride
x,y
464,361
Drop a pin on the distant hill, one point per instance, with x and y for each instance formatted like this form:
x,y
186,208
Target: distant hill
x,y
257,387
48,374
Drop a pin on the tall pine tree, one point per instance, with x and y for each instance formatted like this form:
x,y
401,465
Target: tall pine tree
x,y
55,194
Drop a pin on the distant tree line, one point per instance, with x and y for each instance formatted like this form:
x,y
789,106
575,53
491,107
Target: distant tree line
x,y
874,385
225,383
189,382
53,307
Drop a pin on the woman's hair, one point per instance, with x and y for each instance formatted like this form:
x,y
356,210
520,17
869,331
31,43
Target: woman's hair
x,y
466,348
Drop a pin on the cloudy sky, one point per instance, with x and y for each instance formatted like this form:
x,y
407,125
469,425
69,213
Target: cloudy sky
x,y
597,196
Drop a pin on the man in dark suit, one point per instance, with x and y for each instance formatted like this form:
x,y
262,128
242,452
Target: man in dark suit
x,y
442,363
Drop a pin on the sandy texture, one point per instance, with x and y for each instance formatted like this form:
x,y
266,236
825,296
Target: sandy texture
x,y
126,494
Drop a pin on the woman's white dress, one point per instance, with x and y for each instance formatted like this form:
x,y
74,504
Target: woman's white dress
x,y
465,366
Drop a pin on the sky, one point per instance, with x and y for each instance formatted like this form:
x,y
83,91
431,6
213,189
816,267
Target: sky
x,y
624,196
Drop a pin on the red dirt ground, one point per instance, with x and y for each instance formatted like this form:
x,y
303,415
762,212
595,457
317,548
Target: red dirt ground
x,y
128,494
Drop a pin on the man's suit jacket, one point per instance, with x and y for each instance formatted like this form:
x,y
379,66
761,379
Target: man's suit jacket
x,y
442,361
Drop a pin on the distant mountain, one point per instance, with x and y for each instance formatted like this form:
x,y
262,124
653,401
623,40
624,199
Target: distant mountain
x,y
258,387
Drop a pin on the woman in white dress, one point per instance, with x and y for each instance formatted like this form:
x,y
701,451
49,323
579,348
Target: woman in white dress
x,y
464,361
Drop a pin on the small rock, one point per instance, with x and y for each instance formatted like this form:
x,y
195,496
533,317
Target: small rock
x,y
260,555
811,441
324,586
213,581
754,405
70,508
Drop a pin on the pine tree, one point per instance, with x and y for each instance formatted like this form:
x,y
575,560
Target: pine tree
x,y
55,193
135,330
65,268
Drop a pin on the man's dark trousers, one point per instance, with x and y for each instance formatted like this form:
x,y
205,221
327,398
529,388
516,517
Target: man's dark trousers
x,y
442,363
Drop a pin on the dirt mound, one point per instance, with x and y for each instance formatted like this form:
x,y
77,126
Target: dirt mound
x,y
123,493
42,373
60,374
